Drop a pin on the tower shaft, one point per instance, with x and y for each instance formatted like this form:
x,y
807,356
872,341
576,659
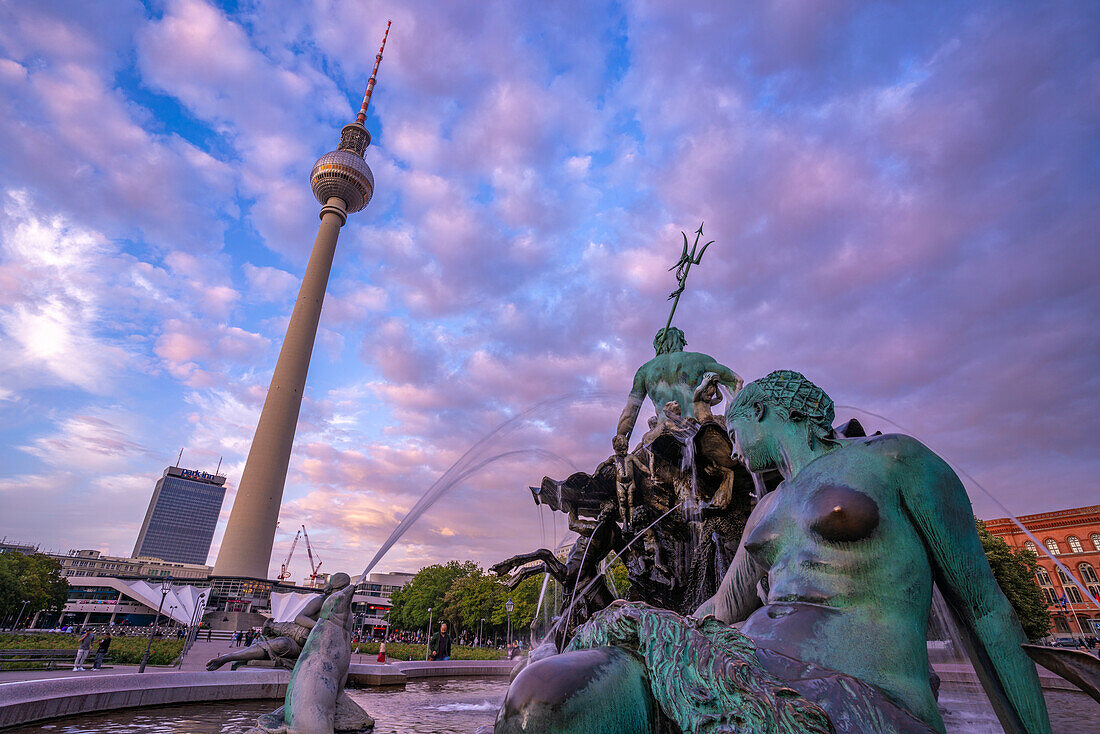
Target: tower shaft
x,y
246,547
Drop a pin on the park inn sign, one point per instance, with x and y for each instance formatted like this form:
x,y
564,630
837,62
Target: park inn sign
x,y
196,475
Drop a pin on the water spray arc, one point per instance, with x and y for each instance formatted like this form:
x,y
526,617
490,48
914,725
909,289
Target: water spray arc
x,y
475,459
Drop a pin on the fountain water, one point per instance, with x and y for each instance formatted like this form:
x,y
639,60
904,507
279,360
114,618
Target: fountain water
x,y
474,460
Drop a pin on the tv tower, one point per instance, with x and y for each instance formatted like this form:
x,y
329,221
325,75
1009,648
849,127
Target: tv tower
x,y
343,184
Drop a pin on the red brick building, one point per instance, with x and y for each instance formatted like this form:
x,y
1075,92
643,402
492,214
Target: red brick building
x,y
1073,536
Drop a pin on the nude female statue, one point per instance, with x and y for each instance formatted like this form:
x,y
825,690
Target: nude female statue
x,y
831,586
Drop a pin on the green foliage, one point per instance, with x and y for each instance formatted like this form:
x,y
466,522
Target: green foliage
x,y
403,651
463,594
473,598
426,590
1015,569
621,577
124,650
525,597
34,578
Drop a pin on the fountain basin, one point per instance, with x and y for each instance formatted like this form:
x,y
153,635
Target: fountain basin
x,y
34,700
25,702
428,705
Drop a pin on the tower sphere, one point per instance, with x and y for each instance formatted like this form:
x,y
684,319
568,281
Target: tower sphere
x,y
344,174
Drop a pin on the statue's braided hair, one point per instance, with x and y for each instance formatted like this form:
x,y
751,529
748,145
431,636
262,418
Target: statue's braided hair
x,y
792,392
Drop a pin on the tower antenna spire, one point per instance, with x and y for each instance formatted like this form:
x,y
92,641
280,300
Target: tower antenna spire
x,y
361,118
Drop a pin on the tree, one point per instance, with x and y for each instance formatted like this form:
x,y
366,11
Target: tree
x,y
427,589
35,579
1015,569
473,598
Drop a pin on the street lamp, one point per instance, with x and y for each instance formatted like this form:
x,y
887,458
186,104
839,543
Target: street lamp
x,y
428,641
165,587
16,625
509,606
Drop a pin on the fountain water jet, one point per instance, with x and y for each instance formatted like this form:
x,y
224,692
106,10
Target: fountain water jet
x,y
465,465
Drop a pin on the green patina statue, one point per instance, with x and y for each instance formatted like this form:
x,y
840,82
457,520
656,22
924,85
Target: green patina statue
x,y
831,586
672,376
315,699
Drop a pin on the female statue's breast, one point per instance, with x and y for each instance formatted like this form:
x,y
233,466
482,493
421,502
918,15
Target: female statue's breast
x,y
840,514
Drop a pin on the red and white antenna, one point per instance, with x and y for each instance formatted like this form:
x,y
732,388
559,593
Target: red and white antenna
x,y
361,118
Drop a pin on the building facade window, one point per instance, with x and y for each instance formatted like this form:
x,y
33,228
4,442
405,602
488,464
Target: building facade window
x,y
1073,595
1063,577
1044,577
1088,573
1052,546
1096,541
1074,544
1031,547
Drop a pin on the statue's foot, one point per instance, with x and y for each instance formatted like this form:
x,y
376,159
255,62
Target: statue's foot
x,y
215,663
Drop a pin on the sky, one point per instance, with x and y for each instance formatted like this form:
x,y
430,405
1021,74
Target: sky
x,y
904,198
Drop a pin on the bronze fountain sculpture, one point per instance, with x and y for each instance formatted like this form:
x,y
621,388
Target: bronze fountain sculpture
x,y
827,551
820,618
781,575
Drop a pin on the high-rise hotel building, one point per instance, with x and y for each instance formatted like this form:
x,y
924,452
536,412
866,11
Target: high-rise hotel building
x,y
183,511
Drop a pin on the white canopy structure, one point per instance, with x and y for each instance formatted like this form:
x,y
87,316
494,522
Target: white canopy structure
x,y
285,607
179,603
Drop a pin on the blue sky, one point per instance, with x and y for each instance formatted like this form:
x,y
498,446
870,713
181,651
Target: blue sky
x,y
903,195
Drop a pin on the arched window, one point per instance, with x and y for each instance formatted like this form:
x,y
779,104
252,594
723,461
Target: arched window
x,y
1073,595
1063,577
1044,577
1088,573
1052,546
1031,547
1096,541
1074,544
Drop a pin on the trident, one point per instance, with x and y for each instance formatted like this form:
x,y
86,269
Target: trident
x,y
682,267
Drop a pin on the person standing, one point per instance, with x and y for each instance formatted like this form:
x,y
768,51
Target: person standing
x,y
237,639
101,651
382,651
440,644
83,649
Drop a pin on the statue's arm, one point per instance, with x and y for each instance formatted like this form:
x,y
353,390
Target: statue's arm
x,y
736,598
634,402
943,516
308,616
728,377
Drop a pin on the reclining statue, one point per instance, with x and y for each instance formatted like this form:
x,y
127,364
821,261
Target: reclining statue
x,y
280,642
831,587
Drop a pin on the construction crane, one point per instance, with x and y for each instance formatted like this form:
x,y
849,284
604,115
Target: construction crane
x,y
315,574
285,572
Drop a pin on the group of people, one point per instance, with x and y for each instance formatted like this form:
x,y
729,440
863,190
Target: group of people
x,y
246,637
84,648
